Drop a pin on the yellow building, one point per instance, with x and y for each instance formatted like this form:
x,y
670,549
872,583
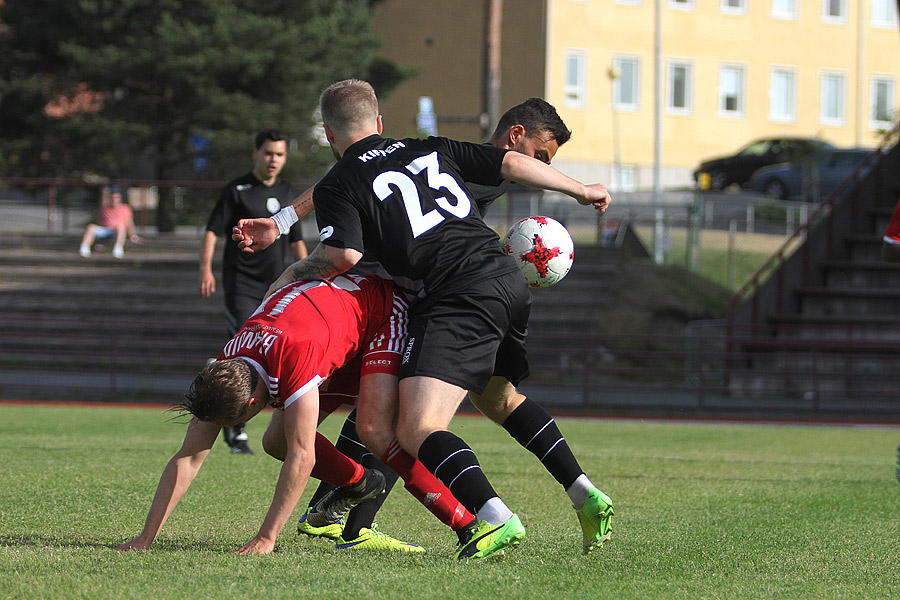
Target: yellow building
x,y
731,71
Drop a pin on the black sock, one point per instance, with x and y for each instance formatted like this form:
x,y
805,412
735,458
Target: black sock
x,y
536,431
348,443
363,514
451,460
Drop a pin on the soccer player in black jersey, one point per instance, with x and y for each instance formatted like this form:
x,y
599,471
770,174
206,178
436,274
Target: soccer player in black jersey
x,y
246,277
535,129
405,201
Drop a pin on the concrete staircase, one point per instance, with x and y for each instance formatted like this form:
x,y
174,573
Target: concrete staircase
x,y
825,329
136,329
100,328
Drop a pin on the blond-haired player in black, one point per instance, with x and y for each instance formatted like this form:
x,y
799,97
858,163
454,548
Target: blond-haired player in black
x,y
416,215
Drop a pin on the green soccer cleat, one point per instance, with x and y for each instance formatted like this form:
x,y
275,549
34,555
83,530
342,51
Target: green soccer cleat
x,y
332,531
372,539
490,539
595,517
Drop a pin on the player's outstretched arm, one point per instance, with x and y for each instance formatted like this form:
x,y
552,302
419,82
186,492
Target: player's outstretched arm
x,y
255,235
534,173
175,481
324,262
300,421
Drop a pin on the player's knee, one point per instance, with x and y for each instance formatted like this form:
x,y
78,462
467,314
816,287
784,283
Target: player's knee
x,y
376,438
273,446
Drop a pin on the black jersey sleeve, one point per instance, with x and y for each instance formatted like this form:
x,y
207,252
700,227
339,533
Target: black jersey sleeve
x,y
337,216
477,163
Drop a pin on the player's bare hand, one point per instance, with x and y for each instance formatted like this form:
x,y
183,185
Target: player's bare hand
x,y
255,235
207,284
257,545
135,544
595,195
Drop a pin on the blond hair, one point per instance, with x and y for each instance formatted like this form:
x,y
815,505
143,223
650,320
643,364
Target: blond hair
x,y
348,106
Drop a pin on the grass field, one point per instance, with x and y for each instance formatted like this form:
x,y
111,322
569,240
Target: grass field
x,y
729,268
702,511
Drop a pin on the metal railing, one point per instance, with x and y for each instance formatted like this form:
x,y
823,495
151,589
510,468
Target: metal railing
x,y
774,268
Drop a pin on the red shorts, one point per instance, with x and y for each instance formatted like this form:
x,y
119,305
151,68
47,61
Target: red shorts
x,y
381,355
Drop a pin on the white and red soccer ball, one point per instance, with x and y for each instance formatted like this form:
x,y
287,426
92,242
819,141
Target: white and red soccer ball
x,y
542,247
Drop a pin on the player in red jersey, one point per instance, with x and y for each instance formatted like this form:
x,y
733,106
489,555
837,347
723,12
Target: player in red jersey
x,y
298,337
890,249
890,252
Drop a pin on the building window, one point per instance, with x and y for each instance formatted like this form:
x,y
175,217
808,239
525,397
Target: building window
x,y
734,7
834,11
624,178
681,4
884,14
784,9
680,87
629,2
731,91
626,86
881,101
575,78
833,99
782,96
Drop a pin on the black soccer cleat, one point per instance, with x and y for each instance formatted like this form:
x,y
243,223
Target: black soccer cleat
x,y
241,447
338,502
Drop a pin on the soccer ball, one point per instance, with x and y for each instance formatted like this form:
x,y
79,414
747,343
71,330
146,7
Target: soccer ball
x,y
543,249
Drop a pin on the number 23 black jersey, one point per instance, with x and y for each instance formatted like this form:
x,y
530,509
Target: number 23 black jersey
x,y
406,202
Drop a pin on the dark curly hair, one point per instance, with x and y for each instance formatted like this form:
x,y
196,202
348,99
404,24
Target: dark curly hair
x,y
220,391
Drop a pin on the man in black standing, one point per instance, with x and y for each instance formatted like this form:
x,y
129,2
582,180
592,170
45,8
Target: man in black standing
x,y
246,277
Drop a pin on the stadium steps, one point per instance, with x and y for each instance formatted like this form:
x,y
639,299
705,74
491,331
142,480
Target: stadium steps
x,y
575,304
836,338
102,328
136,328
567,318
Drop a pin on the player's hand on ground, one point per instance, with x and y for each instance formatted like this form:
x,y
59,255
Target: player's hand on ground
x,y
135,544
207,284
257,545
595,195
255,235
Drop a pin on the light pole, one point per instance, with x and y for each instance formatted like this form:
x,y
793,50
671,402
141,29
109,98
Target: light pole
x,y
658,231
613,73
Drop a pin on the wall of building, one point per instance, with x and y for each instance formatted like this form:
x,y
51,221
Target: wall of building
x,y
702,34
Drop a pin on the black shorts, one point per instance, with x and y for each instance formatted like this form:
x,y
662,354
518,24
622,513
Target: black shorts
x,y
466,337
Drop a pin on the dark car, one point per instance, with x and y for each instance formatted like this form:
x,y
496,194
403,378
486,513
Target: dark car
x,y
814,179
722,172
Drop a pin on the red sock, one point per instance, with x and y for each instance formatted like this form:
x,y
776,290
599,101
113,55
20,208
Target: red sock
x,y
426,488
333,466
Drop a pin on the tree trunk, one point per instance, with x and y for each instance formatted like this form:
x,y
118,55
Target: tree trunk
x,y
165,212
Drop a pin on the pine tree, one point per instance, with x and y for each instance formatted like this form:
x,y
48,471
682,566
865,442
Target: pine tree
x,y
147,75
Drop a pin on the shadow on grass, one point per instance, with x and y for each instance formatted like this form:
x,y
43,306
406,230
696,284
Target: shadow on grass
x,y
39,541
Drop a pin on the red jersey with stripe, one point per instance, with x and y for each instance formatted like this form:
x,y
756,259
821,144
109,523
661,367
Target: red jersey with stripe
x,y
306,330
892,235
